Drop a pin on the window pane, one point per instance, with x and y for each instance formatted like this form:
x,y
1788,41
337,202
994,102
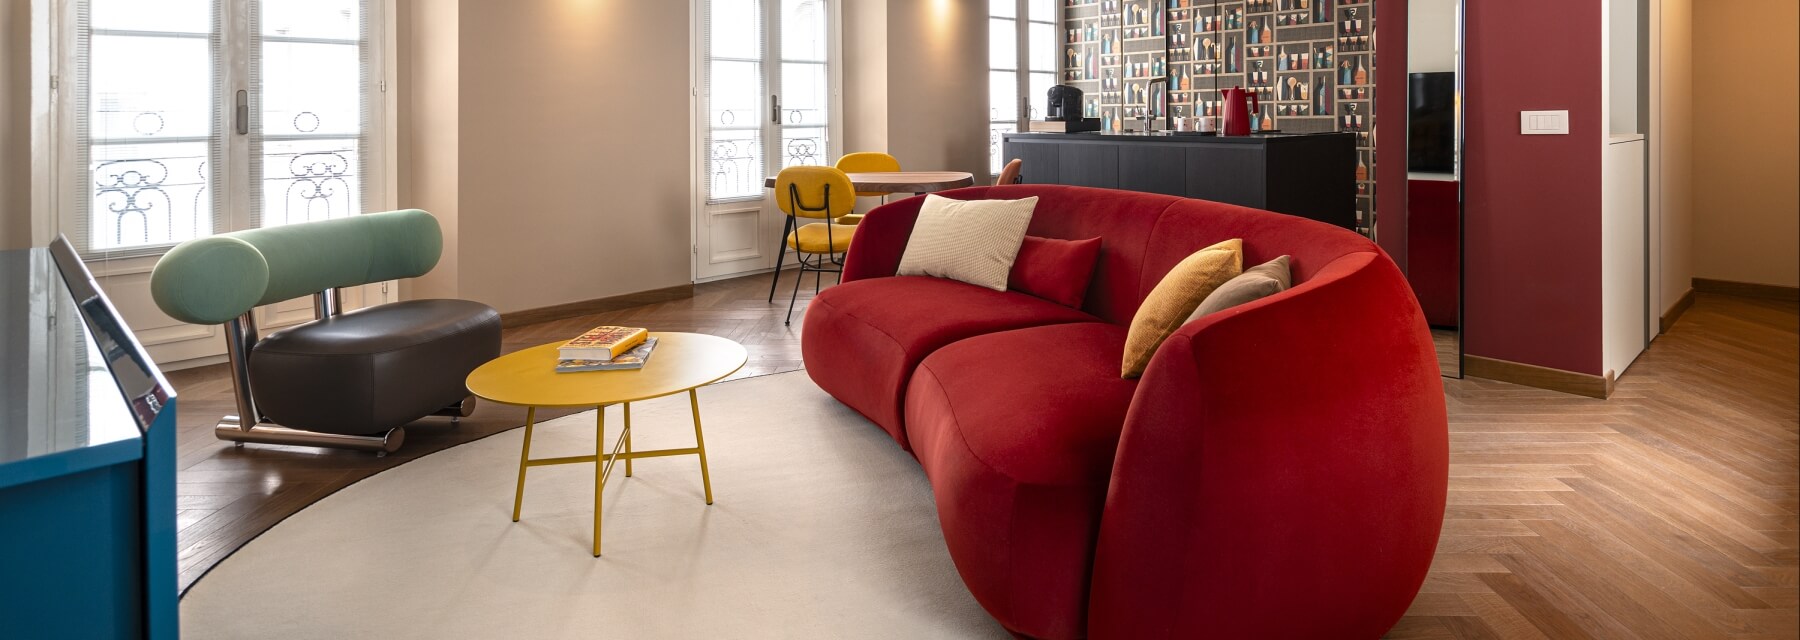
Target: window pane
x,y
149,194
995,144
734,164
1042,41
179,16
149,127
1003,96
312,89
1041,10
803,30
1003,8
735,30
318,19
802,146
1003,44
311,112
803,97
308,180
734,94
1039,93
129,100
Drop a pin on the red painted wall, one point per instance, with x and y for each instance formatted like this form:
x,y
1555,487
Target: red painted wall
x,y
1390,144
1531,203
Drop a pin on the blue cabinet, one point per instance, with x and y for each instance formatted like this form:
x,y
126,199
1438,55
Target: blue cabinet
x,y
87,461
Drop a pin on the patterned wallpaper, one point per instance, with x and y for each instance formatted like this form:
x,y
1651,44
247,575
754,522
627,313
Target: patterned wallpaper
x,y
1311,62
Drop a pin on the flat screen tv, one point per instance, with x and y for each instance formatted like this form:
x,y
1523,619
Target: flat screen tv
x,y
1431,122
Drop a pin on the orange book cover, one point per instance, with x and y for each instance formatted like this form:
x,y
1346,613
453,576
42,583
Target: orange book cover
x,y
603,343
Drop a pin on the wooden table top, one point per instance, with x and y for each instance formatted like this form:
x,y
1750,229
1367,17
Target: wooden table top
x,y
903,181
680,362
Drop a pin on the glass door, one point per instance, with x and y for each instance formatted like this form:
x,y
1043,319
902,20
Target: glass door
x,y
1022,66
766,100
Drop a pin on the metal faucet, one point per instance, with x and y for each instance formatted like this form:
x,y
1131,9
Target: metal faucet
x,y
1149,118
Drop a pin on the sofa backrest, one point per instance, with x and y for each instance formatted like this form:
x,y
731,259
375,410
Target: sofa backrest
x,y
1145,235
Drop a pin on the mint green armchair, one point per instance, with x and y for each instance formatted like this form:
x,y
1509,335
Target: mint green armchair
x,y
346,379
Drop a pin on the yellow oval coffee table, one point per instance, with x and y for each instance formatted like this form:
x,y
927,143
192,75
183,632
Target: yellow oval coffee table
x,y
681,362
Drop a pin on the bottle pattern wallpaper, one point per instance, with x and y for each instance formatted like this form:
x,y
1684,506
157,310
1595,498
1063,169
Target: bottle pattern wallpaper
x,y
1311,63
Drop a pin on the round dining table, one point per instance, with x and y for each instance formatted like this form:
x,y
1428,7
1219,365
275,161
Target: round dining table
x,y
913,182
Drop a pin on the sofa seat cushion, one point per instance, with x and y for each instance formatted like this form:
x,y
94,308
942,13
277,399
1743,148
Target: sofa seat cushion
x,y
1017,432
373,369
864,338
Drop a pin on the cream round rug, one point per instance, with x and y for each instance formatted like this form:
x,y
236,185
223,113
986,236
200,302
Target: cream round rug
x,y
821,528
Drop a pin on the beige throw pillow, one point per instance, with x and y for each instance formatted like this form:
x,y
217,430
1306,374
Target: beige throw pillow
x,y
1256,283
974,241
1176,297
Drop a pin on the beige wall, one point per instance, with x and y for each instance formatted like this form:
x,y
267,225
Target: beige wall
x,y
916,82
15,124
429,131
551,138
575,177
1747,154
1673,79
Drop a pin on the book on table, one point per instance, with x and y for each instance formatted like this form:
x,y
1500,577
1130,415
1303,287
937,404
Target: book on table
x,y
602,343
636,358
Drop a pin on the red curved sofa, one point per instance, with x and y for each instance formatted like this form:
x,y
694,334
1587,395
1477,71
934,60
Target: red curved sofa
x,y
1278,471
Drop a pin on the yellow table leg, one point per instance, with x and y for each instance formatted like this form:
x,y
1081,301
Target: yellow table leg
x,y
600,468
524,454
628,438
700,443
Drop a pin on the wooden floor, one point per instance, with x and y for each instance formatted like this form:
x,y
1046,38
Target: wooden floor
x,y
1668,511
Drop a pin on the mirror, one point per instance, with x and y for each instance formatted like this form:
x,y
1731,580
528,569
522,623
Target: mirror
x,y
1434,170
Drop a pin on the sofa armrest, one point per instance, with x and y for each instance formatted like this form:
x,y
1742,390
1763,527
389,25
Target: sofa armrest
x,y
1292,450
881,239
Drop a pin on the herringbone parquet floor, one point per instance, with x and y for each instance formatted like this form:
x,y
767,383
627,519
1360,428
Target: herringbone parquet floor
x,y
1667,511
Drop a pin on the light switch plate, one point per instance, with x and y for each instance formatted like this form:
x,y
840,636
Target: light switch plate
x,y
1544,123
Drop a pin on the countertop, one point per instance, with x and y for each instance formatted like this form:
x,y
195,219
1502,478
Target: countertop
x,y
1165,136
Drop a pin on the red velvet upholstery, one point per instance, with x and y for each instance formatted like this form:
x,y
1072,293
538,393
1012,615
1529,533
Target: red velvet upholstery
x,y
1020,483
1055,270
879,330
1280,472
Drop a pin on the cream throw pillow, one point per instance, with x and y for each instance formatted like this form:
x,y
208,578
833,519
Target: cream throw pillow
x,y
1175,298
973,241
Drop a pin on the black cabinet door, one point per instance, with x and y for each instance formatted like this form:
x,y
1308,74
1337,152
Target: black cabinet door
x,y
1226,173
1039,165
1153,168
1088,165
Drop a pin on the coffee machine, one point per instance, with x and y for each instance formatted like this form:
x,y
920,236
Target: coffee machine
x,y
1064,105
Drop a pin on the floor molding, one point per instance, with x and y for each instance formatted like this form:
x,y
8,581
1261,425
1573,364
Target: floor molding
x,y
1674,313
1531,375
1747,289
597,305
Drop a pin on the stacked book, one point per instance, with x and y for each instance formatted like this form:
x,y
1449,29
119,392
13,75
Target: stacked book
x,y
606,349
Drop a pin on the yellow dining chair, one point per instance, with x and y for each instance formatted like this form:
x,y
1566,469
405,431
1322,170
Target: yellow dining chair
x,y
818,193
866,162
1010,174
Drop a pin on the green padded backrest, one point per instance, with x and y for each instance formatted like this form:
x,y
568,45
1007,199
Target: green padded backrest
x,y
214,279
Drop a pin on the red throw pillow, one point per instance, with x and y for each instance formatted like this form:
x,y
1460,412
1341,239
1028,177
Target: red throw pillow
x,y
1055,270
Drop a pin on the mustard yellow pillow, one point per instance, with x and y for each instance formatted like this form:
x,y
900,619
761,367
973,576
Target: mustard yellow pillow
x,y
1176,297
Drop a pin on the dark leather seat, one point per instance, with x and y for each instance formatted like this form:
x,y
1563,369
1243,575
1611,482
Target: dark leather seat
x,y
370,370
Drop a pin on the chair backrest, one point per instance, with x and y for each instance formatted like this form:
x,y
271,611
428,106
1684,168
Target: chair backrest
x,y
1010,174
214,279
814,192
868,162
